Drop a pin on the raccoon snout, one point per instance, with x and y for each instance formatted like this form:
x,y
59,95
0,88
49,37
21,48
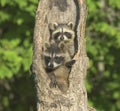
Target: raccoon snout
x,y
50,66
61,38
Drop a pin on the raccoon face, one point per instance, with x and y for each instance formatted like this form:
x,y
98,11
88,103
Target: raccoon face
x,y
53,56
62,32
53,61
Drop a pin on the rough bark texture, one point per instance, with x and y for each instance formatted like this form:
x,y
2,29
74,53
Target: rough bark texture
x,y
61,11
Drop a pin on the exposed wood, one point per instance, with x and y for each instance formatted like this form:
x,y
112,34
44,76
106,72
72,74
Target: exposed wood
x,y
60,11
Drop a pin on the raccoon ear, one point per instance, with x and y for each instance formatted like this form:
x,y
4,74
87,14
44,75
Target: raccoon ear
x,y
53,26
70,25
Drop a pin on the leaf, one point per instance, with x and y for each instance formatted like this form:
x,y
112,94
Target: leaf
x,y
5,72
116,95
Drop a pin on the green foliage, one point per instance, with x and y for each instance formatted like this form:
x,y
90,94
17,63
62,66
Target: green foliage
x,y
16,31
103,48
16,34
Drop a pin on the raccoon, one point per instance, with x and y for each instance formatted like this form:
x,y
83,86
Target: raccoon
x,y
56,61
63,33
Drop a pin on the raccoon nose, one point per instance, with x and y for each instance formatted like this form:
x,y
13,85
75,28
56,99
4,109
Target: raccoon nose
x,y
51,66
61,38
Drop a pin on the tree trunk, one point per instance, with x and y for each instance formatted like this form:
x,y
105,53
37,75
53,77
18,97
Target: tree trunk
x,y
52,99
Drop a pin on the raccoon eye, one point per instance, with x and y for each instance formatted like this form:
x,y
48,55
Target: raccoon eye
x,y
68,35
59,59
57,35
47,59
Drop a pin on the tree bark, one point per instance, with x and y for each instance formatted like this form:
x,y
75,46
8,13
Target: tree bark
x,y
60,11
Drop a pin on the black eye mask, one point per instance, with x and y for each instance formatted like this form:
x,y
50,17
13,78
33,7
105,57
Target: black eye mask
x,y
67,34
47,59
57,35
59,59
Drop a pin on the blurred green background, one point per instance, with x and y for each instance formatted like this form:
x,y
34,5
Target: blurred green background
x,y
17,18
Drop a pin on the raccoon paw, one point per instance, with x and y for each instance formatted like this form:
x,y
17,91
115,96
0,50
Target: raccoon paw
x,y
70,63
53,84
